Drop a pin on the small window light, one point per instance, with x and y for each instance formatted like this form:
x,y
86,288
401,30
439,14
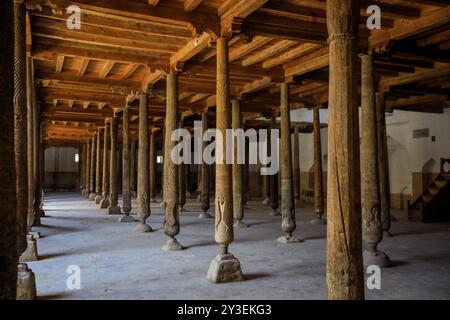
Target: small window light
x,y
159,159
77,157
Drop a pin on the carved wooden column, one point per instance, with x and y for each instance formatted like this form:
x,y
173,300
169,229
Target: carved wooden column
x,y
383,165
274,200
296,150
8,230
83,170
370,183
30,142
238,204
92,169
113,175
182,180
345,279
152,161
246,175
288,223
224,267
126,190
204,189
26,286
104,203
98,167
318,173
133,169
143,180
171,215
87,173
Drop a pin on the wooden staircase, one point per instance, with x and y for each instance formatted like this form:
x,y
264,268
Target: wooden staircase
x,y
434,203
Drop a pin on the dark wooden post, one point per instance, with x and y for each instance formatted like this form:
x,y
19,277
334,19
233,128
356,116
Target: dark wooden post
x,y
204,189
126,190
318,173
104,203
274,200
98,167
113,175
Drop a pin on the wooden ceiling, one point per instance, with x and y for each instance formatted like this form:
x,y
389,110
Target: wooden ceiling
x,y
84,76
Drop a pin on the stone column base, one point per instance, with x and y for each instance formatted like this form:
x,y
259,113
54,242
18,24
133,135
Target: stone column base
x,y
224,268
240,224
172,245
30,254
35,234
104,204
92,196
289,239
204,215
114,210
126,218
26,283
318,221
378,258
142,228
98,199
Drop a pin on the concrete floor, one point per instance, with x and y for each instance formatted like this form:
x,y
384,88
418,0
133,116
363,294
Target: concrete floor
x,y
117,263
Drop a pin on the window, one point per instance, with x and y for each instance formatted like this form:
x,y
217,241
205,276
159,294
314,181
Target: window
x,y
77,157
159,159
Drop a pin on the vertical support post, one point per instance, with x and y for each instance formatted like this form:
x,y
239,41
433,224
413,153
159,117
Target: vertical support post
x,y
92,169
238,203
274,200
143,187
133,169
182,179
87,168
288,223
126,190
318,173
30,142
204,190
114,186
8,230
104,203
152,161
98,167
345,279
383,165
296,150
370,183
224,267
171,190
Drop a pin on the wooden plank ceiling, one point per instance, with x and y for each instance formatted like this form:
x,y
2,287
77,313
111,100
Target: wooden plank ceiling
x,y
84,76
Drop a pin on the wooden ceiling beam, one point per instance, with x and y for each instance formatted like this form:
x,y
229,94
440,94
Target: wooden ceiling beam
x,y
59,63
191,5
189,50
106,69
269,52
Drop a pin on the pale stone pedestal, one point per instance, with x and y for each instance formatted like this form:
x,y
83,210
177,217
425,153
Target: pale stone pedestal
x,y
378,258
126,218
172,245
240,224
26,283
30,254
92,197
289,239
98,199
114,210
224,268
204,215
143,227
275,213
104,204
35,234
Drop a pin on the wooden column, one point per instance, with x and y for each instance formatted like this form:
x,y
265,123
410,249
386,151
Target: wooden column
x,y
171,218
296,157
152,161
82,169
92,169
113,176
370,183
133,169
30,142
104,203
20,124
383,165
98,167
274,200
8,230
143,181
182,180
204,189
238,203
318,172
345,279
87,173
126,190
224,267
246,176
288,224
